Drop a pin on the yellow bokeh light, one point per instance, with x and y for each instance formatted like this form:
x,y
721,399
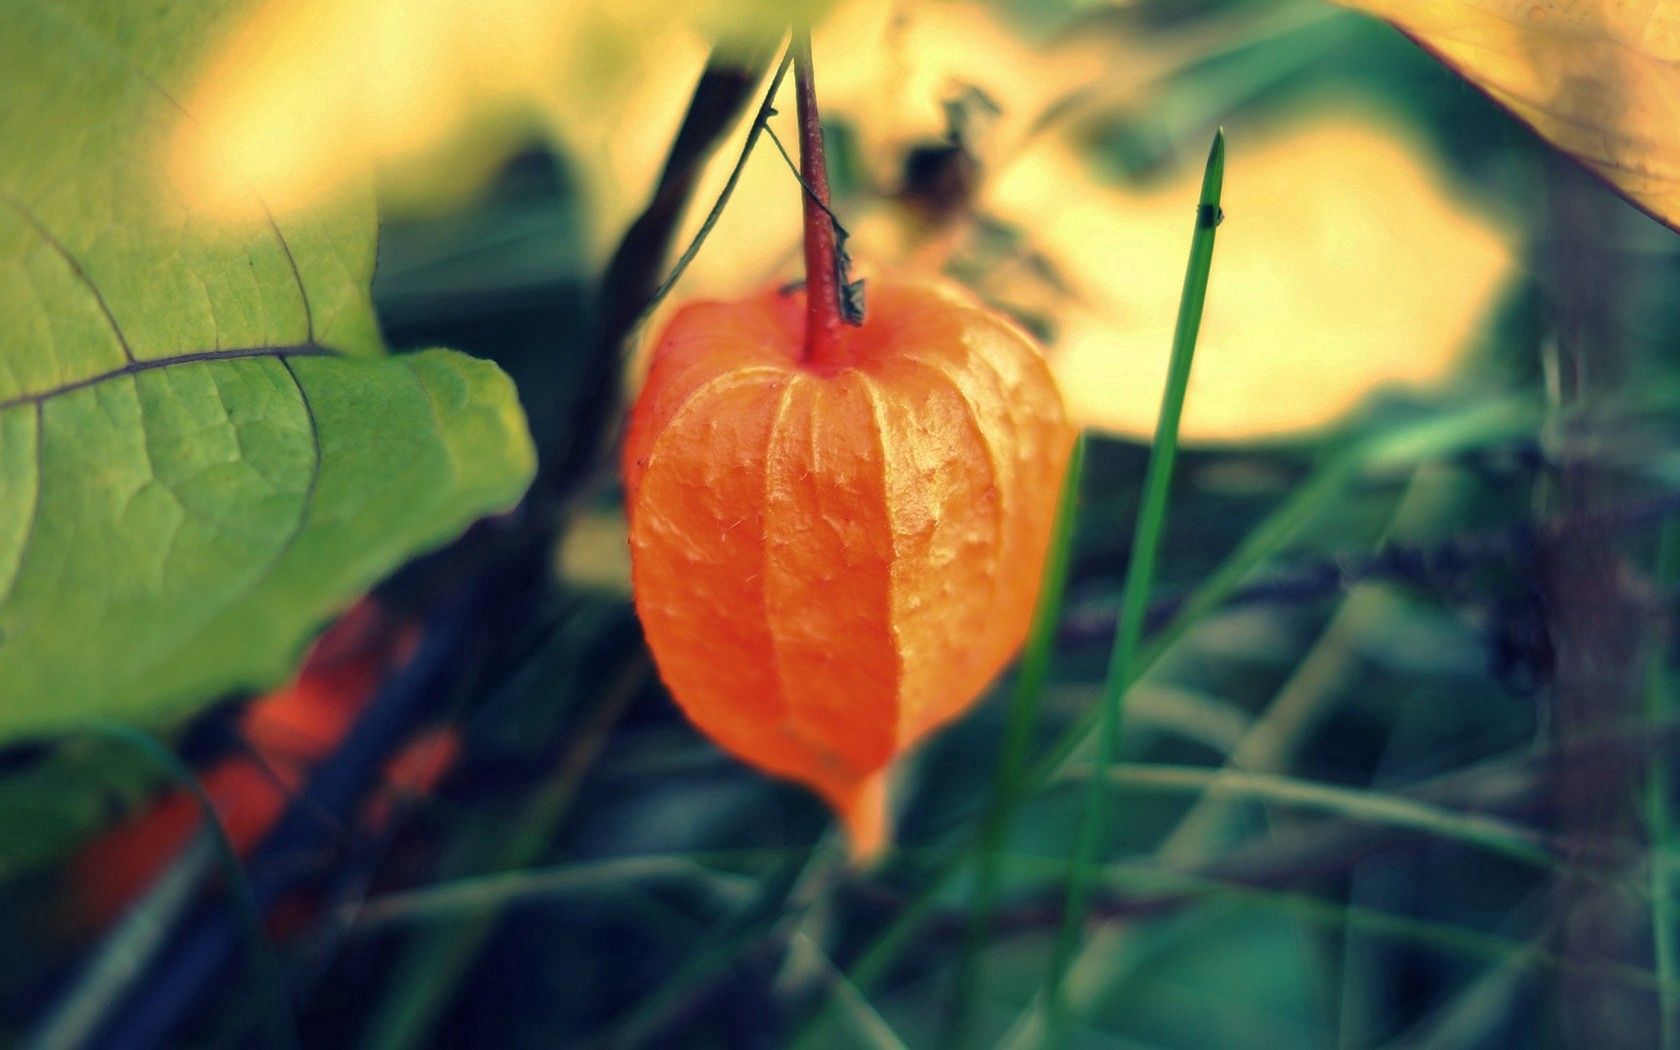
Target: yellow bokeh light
x,y
1346,267
308,98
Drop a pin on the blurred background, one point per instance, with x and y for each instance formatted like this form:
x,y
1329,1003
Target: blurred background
x,y
1401,784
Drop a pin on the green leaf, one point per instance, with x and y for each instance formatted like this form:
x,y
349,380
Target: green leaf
x,y
203,451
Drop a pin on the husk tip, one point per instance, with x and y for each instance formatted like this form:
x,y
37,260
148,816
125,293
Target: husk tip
x,y
867,821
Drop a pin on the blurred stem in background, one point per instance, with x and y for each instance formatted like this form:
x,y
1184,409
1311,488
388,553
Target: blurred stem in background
x,y
635,271
1660,689
1598,628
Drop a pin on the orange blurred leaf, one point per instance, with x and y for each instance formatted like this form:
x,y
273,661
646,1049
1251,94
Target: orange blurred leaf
x,y
286,732
1599,79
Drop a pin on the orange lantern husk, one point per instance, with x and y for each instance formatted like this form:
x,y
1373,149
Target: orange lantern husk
x,y
833,558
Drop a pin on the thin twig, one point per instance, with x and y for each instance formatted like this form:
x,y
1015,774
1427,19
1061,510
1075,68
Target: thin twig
x,y
630,280
760,124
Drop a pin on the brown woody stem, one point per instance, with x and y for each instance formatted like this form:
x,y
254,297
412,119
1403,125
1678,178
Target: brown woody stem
x,y
823,312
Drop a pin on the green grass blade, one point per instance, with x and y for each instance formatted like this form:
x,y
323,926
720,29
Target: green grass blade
x,y
1025,701
1140,579
1373,807
475,895
135,942
869,1028
123,955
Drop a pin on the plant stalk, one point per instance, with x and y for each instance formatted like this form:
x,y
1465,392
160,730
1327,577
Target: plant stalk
x,y
823,312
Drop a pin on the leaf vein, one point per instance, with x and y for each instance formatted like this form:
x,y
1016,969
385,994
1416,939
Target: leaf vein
x,y
306,508
63,251
197,357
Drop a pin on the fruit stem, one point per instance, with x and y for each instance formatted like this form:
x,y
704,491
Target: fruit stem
x,y
823,310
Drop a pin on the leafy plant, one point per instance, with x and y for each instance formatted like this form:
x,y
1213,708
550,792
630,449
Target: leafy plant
x,y
203,450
